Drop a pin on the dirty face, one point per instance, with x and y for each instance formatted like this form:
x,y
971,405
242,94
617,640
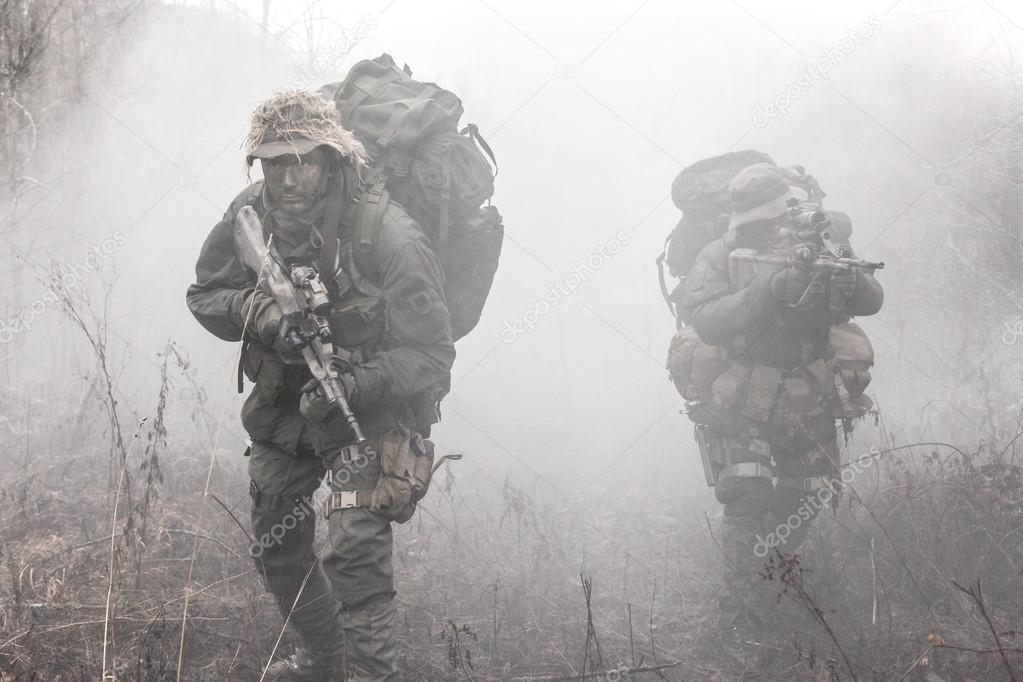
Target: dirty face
x,y
295,181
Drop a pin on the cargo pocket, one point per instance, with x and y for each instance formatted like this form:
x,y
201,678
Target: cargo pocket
x,y
266,369
761,393
799,399
357,320
729,388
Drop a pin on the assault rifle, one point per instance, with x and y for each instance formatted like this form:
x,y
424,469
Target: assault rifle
x,y
815,251
304,301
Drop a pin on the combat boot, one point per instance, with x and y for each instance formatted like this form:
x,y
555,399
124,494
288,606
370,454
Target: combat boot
x,y
304,666
370,646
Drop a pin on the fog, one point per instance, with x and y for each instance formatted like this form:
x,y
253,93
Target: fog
x,y
592,109
585,152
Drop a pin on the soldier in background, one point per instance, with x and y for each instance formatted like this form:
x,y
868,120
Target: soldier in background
x,y
775,366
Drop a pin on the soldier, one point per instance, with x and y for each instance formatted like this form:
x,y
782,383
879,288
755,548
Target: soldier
x,y
389,318
768,412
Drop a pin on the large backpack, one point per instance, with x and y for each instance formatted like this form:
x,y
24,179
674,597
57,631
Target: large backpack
x,y
700,191
436,171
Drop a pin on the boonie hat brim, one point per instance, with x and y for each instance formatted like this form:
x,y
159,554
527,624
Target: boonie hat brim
x,y
269,150
774,208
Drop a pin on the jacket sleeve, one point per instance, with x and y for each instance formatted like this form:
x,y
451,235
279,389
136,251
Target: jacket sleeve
x,y
221,284
417,348
869,294
716,312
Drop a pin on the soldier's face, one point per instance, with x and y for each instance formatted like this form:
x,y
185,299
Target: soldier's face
x,y
295,182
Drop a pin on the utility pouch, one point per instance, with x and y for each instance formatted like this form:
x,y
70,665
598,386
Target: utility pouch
x,y
728,388
823,376
266,370
761,393
708,364
853,356
799,399
406,465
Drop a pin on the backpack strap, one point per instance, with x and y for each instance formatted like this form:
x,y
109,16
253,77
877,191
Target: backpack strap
x,y
663,282
332,227
473,131
444,218
364,220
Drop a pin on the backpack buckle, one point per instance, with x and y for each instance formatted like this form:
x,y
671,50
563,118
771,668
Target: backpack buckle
x,y
344,499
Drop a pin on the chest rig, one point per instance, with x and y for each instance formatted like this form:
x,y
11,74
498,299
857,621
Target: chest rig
x,y
779,373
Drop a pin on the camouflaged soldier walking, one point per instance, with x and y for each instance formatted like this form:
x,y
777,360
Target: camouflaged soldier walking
x,y
769,363
391,331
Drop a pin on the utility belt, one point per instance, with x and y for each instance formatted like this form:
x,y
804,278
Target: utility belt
x,y
403,461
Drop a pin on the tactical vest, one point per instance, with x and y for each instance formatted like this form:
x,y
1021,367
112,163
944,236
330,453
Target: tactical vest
x,y
825,368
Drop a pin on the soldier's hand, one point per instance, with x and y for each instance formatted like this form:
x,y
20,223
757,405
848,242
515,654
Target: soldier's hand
x,y
789,285
314,405
843,284
264,321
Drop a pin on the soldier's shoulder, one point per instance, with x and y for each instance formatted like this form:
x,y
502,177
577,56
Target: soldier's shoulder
x,y
247,197
716,252
397,229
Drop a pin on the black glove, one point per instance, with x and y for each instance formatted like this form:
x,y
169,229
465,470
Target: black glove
x,y
264,322
789,285
843,284
314,406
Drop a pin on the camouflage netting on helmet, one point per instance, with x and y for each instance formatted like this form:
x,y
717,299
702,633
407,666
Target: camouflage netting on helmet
x,y
299,114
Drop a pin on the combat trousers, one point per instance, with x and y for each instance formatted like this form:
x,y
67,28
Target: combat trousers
x,y
344,609
772,488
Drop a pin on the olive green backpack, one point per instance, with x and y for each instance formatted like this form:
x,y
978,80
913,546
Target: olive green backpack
x,y
440,174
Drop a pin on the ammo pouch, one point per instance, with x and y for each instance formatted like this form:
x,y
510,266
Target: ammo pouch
x,y
694,365
406,466
852,358
767,395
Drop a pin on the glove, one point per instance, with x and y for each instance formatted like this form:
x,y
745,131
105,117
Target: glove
x,y
843,284
264,321
789,285
314,405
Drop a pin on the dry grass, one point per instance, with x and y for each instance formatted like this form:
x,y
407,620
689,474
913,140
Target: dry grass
x,y
495,586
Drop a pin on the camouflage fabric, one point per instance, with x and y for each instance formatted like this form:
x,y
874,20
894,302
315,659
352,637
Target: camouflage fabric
x,y
397,326
354,578
770,335
777,465
755,509
389,317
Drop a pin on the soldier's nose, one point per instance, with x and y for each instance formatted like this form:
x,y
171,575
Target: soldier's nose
x,y
290,180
